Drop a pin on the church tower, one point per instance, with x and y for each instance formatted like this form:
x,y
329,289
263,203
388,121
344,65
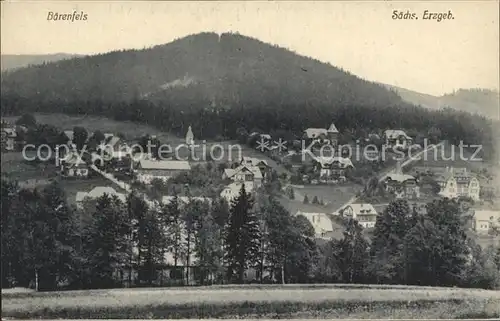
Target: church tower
x,y
189,137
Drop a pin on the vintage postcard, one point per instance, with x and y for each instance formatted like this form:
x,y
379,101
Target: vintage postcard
x,y
250,159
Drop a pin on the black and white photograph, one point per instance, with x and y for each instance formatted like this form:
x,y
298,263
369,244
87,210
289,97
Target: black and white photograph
x,y
250,160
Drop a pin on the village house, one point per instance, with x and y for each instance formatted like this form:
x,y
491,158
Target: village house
x,y
147,170
9,136
322,135
397,139
322,224
485,220
232,190
74,166
251,175
256,162
402,185
97,192
458,182
114,148
333,167
364,214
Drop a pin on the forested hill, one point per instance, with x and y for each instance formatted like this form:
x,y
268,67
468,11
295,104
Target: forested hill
x,y
227,70
479,101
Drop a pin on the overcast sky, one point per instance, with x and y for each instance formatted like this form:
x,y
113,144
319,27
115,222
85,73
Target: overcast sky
x,y
426,56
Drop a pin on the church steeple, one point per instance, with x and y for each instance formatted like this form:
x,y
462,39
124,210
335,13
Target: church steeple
x,y
190,137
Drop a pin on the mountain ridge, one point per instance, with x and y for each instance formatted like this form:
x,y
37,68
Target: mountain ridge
x,y
236,61
481,101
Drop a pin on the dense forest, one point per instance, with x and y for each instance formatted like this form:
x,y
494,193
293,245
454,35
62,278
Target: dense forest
x,y
48,244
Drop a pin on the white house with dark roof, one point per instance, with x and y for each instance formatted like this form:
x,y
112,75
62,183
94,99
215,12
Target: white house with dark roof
x,y
364,213
147,170
397,138
321,223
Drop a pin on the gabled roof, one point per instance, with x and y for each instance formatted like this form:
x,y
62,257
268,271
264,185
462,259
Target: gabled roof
x,y
487,215
362,209
100,191
112,140
70,134
399,177
332,128
395,133
164,165
319,221
253,161
10,131
315,132
253,169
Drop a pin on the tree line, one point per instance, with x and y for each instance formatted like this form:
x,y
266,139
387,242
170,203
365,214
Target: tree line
x,y
49,244
285,121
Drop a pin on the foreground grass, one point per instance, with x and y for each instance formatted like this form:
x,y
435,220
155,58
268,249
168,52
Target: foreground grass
x,y
255,302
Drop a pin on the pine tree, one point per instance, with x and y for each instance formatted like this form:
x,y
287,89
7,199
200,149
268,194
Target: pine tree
x,y
47,239
208,249
242,236
315,200
306,199
171,215
438,242
391,228
106,242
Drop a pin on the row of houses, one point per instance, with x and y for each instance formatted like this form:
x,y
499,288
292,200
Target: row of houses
x,y
452,182
366,215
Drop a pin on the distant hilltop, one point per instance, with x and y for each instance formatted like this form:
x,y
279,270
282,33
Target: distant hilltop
x,y
10,62
226,70
485,102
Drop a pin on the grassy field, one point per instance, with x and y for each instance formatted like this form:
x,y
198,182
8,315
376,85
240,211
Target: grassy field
x,y
296,301
16,167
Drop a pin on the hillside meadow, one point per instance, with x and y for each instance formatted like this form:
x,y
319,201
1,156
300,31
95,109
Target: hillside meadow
x,y
301,301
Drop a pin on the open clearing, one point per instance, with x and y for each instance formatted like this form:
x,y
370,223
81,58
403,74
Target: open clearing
x,y
303,301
